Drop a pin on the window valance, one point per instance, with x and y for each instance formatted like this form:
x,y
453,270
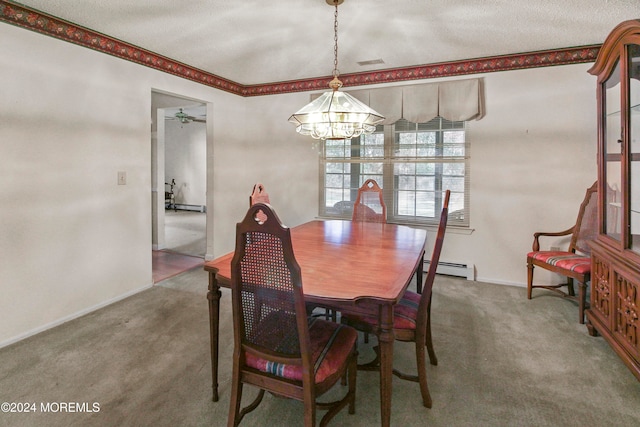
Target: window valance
x,y
457,100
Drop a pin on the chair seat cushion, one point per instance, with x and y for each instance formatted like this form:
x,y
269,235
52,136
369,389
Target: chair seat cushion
x,y
331,344
566,260
405,313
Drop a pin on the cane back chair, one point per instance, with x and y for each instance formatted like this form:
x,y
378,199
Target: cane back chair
x,y
575,262
277,348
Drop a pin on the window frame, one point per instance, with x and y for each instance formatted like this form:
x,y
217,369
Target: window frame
x,y
388,180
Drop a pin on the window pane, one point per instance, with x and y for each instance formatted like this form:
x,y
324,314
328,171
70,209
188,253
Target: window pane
x,y
406,202
453,169
456,206
333,196
453,137
425,168
406,183
337,148
453,150
372,145
425,183
335,167
455,184
417,163
372,168
414,145
334,181
425,205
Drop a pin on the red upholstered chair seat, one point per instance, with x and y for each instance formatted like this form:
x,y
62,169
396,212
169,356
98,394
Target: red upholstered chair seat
x,y
405,313
331,345
565,260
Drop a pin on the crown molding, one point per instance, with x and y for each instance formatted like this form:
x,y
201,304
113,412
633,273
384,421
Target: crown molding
x,y
34,20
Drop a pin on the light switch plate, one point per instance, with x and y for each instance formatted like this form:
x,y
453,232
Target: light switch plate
x,y
122,178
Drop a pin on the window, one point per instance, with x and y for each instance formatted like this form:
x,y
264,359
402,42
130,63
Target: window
x,y
414,163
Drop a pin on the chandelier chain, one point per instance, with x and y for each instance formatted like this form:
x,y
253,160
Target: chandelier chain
x,y
336,73
335,114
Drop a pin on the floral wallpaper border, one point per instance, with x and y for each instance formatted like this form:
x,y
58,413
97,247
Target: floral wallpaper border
x,y
21,16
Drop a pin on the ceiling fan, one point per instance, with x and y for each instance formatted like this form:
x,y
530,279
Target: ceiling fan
x,y
183,117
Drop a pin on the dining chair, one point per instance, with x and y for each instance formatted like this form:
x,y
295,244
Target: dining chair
x,y
277,347
574,262
369,205
411,317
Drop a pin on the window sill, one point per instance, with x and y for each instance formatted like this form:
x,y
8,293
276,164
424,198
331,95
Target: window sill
x,y
452,229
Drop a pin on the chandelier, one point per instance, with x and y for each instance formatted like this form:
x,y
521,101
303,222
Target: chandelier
x,y
335,114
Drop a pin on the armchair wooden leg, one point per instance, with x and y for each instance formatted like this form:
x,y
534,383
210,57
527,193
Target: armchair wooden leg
x,y
582,296
570,289
529,279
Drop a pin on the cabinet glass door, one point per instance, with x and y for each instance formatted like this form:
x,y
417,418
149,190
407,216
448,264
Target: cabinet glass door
x,y
633,70
612,148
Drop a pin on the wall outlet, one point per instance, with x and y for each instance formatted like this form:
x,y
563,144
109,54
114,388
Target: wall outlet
x,y
122,178
555,248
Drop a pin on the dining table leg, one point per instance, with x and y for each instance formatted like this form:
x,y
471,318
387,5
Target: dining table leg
x,y
213,296
385,340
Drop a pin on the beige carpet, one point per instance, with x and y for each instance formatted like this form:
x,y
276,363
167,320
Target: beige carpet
x,y
503,361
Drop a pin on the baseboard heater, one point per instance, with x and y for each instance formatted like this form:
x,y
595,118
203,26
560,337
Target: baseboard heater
x,y
456,269
196,208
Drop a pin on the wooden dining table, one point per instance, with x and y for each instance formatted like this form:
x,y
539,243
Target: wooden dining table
x,y
350,267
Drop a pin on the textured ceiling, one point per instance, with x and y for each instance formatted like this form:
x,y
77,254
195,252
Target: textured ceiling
x,y
254,42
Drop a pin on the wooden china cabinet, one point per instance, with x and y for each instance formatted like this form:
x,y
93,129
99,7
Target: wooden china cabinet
x,y
615,260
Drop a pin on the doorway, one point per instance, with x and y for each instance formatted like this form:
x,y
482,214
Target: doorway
x,y
180,142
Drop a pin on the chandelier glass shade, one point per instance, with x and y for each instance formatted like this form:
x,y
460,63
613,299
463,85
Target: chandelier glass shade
x,y
335,114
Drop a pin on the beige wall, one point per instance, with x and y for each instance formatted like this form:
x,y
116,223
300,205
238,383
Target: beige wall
x,y
71,118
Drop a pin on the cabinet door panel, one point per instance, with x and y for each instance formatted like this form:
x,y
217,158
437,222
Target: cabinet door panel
x,y
626,305
601,289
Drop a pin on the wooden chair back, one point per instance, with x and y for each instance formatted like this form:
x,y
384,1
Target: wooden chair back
x,y
425,300
369,205
268,304
276,347
586,228
258,195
